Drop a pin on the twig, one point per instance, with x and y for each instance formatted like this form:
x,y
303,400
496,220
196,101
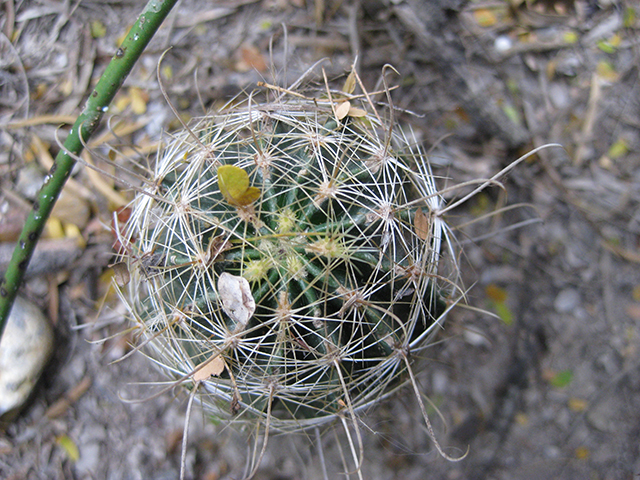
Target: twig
x,y
116,72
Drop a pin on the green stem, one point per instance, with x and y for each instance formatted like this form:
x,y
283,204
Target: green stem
x,y
116,72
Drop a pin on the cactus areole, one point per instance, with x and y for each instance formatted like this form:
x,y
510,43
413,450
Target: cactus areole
x,y
286,260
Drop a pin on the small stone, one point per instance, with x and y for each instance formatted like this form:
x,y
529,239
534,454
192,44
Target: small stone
x,y
503,44
559,95
552,451
567,301
477,339
25,348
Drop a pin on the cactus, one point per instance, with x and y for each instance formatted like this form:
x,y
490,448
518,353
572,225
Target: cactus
x,y
286,258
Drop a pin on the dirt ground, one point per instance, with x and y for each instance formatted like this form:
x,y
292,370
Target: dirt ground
x,y
551,389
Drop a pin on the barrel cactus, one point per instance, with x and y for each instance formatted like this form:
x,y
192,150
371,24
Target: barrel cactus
x,y
286,259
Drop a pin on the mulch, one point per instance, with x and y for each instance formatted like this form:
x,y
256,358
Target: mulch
x,y
546,387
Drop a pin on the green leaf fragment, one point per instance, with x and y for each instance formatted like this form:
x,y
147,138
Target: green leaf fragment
x,y
69,446
629,17
619,148
98,29
570,37
512,114
504,312
561,379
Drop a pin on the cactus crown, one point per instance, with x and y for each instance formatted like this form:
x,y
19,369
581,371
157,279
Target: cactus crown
x,y
287,260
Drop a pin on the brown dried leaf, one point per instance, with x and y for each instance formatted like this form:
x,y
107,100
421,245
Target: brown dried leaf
x,y
121,273
421,224
208,368
235,404
496,293
357,112
252,58
342,110
217,245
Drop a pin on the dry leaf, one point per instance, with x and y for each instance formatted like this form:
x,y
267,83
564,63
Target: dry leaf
x,y
121,273
252,59
357,112
139,100
342,110
235,404
496,293
217,245
53,228
210,367
582,453
421,224
485,17
350,83
235,296
577,404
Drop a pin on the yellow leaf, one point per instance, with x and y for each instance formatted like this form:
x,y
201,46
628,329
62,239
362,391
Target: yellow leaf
x,y
54,228
234,186
71,230
39,92
570,37
138,100
615,40
485,17
98,30
582,453
522,419
350,83
70,448
167,72
210,367
577,404
606,71
121,102
619,148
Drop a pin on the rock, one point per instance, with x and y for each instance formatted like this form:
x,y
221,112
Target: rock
x,y
567,300
25,348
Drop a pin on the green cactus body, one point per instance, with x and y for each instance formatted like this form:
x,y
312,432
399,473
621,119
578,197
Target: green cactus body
x,y
339,246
